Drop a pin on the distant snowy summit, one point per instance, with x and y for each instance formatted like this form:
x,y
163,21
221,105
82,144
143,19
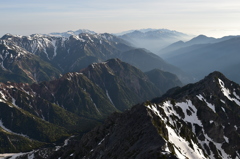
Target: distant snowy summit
x,y
70,32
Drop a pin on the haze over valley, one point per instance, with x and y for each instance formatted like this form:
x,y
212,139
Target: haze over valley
x,y
128,79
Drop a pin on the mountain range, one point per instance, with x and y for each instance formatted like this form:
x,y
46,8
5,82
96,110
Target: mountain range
x,y
201,39
33,115
199,120
78,51
19,65
203,55
80,94
153,39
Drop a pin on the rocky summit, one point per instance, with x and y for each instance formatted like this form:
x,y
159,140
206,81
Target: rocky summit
x,y
199,120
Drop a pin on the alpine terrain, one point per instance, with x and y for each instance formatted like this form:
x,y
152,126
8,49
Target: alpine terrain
x,y
19,65
199,120
75,52
39,114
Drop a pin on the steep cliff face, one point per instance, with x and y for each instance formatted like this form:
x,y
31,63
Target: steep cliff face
x,y
200,120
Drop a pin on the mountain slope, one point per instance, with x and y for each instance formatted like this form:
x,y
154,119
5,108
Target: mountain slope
x,y
27,117
124,84
147,61
212,57
73,53
163,80
199,120
50,111
19,65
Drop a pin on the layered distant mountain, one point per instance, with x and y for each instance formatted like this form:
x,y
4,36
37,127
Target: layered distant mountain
x,y
199,120
153,39
201,59
37,114
70,54
198,41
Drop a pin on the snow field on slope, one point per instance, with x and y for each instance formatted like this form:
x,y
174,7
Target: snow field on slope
x,y
181,146
226,93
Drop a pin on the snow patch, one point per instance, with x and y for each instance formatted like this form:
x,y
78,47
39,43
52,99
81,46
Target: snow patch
x,y
109,98
223,101
95,106
200,97
55,48
226,93
14,102
218,146
15,156
101,141
67,141
226,139
181,146
31,156
154,110
193,119
3,97
235,94
8,130
223,109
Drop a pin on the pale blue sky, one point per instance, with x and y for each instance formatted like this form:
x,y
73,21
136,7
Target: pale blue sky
x,y
210,17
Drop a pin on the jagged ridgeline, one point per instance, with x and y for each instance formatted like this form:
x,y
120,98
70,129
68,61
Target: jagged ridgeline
x,y
70,54
19,65
199,120
33,115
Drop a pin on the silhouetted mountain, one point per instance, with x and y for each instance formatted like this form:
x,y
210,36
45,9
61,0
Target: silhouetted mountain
x,y
199,120
199,60
198,41
147,61
163,80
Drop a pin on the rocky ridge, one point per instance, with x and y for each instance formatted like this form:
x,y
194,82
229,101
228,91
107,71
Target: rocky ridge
x,y
196,121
